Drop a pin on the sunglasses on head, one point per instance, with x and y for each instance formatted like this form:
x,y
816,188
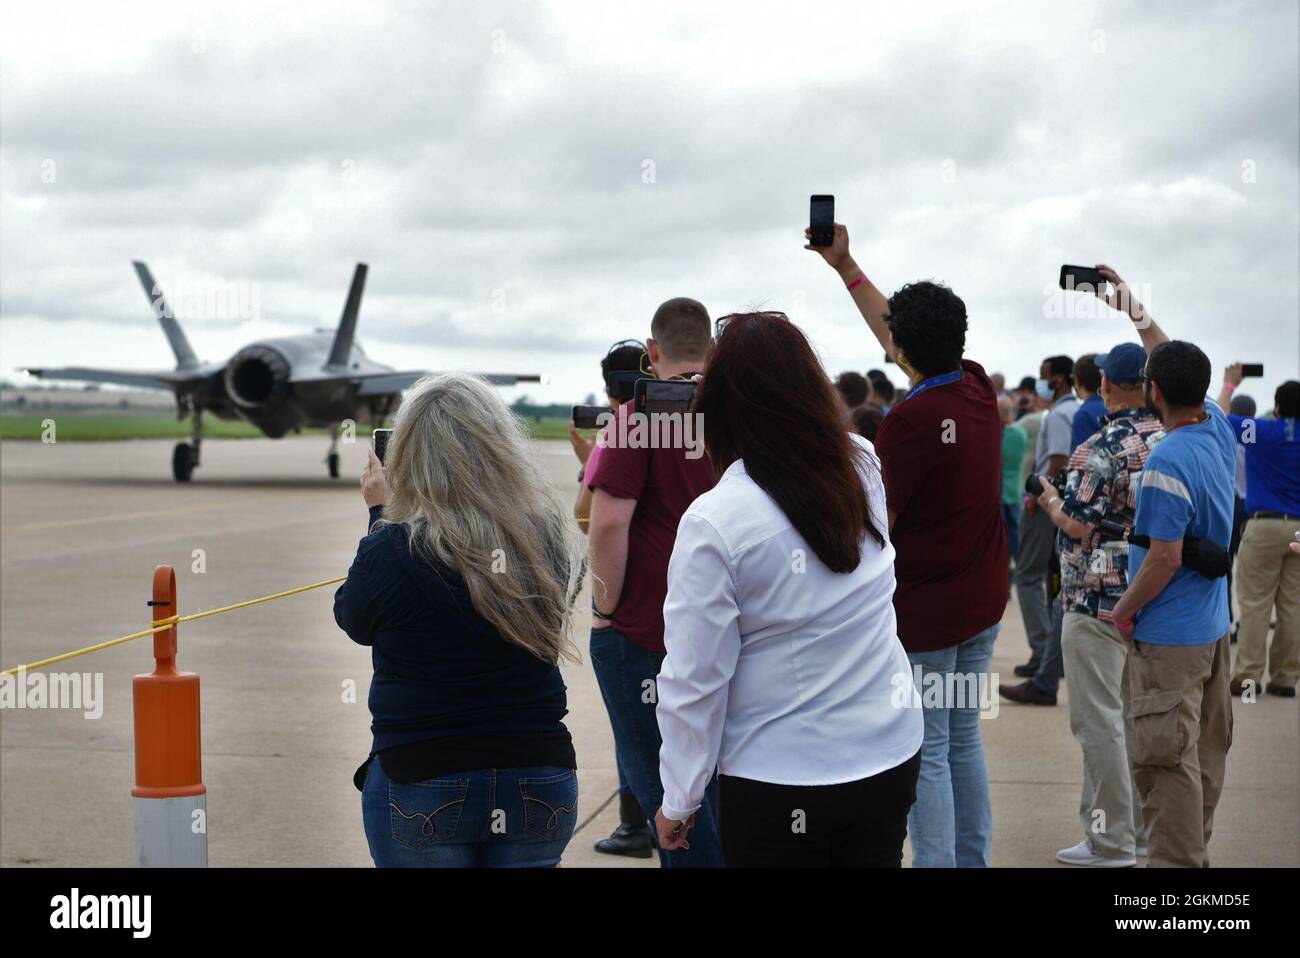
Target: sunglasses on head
x,y
722,322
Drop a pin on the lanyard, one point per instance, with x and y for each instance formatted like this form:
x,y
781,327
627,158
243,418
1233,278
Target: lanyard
x,y
925,384
1189,422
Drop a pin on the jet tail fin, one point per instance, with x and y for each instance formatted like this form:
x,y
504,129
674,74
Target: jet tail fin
x,y
185,358
341,350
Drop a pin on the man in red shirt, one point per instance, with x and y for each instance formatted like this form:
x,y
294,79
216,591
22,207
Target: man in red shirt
x,y
640,492
941,451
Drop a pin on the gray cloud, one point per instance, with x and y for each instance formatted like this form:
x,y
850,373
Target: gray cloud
x,y
488,162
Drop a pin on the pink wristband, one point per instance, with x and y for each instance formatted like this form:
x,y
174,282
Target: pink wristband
x,y
1231,387
857,282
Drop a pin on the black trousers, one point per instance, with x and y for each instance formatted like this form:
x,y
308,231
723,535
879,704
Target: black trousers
x,y
860,824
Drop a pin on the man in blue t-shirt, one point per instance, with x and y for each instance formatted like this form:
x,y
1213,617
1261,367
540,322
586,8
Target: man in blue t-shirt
x,y
1178,619
1268,573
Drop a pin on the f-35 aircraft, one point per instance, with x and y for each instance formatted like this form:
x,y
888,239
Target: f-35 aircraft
x,y
279,385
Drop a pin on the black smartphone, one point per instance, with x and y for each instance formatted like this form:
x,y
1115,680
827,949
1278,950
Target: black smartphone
x,y
380,439
821,221
588,417
1085,279
1252,369
663,396
1034,485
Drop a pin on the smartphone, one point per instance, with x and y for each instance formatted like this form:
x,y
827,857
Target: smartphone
x,y
663,396
380,438
821,221
588,417
1252,369
1034,485
1085,279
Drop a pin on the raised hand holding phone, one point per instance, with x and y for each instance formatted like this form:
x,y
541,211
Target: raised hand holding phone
x,y
871,303
837,252
1115,293
821,220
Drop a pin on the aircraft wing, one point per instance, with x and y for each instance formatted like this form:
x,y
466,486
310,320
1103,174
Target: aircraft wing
x,y
170,379
395,382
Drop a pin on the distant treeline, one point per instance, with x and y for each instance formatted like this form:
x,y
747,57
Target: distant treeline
x,y
526,409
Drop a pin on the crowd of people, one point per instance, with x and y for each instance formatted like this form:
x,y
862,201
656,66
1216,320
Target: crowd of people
x,y
792,634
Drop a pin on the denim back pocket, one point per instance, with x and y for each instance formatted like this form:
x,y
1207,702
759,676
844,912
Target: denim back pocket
x,y
426,813
550,806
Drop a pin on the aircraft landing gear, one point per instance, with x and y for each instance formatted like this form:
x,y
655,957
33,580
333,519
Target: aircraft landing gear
x,y
332,460
182,462
185,457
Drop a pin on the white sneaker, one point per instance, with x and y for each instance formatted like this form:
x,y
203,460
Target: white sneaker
x,y
1082,854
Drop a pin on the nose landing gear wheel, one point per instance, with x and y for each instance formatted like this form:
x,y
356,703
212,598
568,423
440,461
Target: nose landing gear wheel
x,y
333,460
183,462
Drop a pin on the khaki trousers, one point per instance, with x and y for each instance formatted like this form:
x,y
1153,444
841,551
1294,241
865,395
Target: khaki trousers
x,y
1096,660
1268,576
1182,729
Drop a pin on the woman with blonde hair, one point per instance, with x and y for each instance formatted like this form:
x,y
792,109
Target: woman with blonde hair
x,y
464,590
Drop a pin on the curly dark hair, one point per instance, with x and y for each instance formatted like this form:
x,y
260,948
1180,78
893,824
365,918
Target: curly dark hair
x,y
928,321
1181,371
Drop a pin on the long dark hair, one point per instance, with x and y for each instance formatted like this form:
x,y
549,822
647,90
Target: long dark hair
x,y
766,400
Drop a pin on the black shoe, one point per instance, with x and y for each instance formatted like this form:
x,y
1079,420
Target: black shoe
x,y
630,841
1281,691
1028,670
1026,693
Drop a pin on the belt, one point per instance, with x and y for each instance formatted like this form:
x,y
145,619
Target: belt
x,y
1267,514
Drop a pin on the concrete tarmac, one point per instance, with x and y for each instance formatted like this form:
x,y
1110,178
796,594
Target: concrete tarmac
x,y
285,723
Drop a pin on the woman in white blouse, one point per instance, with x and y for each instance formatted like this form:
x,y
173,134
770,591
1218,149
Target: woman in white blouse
x,y
784,670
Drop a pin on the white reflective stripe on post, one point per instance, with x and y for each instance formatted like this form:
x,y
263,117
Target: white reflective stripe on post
x,y
170,832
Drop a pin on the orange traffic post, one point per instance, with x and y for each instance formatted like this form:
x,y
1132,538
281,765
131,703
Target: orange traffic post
x,y
169,801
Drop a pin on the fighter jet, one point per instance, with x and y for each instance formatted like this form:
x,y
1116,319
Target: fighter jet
x,y
321,379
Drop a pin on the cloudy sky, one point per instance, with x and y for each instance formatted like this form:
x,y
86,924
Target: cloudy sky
x,y
527,181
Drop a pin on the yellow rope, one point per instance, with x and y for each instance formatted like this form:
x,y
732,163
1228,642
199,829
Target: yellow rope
x,y
160,625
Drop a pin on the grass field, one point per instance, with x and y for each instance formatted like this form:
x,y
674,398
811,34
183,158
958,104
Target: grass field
x,y
104,427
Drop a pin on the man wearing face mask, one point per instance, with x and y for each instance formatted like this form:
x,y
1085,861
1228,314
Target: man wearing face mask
x,y
1055,386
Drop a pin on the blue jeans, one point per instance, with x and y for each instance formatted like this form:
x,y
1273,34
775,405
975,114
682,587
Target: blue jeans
x,y
489,818
625,673
951,823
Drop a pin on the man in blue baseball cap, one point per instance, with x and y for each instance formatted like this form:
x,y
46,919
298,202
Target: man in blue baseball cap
x,y
1123,366
1093,514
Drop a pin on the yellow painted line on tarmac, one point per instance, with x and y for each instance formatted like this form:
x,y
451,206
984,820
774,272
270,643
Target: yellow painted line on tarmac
x,y
127,516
